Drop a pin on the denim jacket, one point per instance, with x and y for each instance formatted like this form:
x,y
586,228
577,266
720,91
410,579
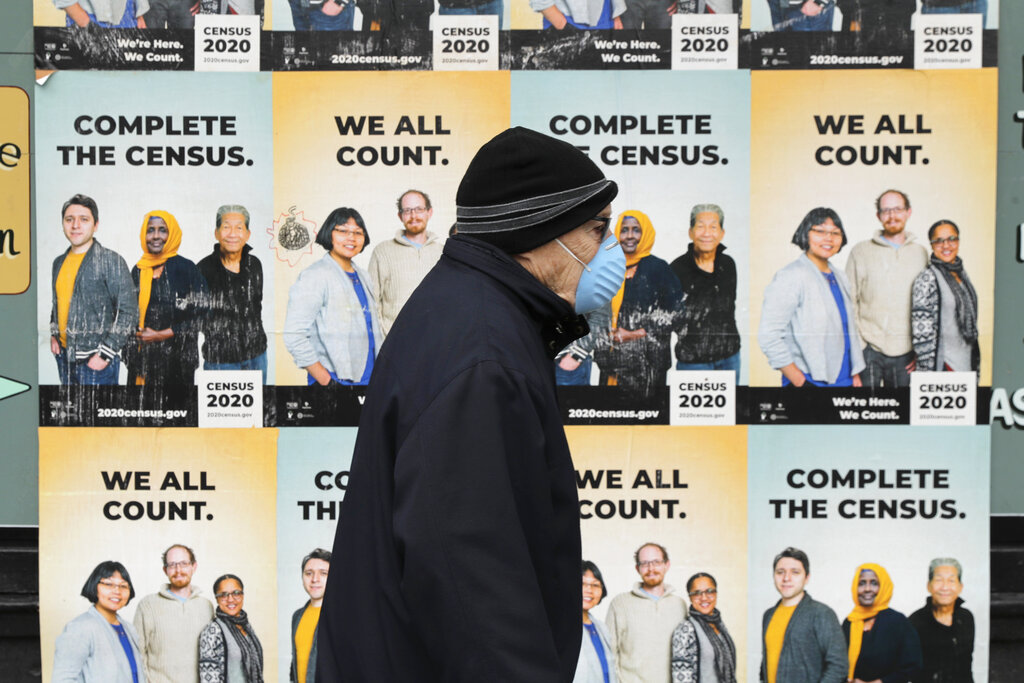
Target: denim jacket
x,y
104,310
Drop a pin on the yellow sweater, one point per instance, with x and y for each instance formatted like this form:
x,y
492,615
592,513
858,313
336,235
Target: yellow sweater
x,y
775,636
304,640
65,288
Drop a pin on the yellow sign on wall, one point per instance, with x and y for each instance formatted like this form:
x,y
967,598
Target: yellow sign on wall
x,y
15,259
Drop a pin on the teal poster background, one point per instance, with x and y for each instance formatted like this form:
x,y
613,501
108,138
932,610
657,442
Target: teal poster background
x,y
830,491
635,125
312,466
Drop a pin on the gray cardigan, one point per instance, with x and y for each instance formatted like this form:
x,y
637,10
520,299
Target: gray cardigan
x,y
582,11
801,324
109,11
325,321
104,309
89,651
588,667
814,649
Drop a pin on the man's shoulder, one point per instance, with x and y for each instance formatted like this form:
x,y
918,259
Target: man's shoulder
x,y
921,617
150,600
633,596
962,615
395,242
385,247
818,610
622,598
298,615
860,248
196,595
209,261
101,252
725,262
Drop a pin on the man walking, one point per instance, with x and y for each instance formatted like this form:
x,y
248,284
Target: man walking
x,y
457,556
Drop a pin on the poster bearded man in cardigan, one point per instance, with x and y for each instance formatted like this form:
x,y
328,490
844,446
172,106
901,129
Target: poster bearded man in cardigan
x,y
398,265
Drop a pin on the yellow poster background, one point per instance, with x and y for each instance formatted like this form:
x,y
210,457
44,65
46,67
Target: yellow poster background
x,y
474,107
75,536
45,14
957,183
712,537
15,169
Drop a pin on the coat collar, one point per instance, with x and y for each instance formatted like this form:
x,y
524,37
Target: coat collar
x,y
558,324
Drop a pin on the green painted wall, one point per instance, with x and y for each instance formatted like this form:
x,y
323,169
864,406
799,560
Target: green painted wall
x,y
19,415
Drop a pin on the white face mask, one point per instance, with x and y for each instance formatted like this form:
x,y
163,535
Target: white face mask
x,y
601,278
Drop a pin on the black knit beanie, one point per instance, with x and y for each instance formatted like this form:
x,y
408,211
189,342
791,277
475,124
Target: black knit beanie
x,y
524,188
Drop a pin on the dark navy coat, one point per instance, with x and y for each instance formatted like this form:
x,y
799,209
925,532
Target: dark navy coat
x,y
457,555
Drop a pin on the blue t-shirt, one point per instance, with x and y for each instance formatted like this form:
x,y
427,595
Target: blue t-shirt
x,y
127,19
127,646
595,638
368,318
604,21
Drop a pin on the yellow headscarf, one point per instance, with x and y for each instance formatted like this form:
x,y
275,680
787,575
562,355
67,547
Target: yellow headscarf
x,y
861,614
149,261
643,249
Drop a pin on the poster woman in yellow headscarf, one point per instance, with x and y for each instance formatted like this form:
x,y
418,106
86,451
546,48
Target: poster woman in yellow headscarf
x,y
172,296
644,312
882,643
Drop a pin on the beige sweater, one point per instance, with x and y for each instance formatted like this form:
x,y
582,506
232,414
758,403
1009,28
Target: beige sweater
x,y
881,278
397,268
641,632
169,634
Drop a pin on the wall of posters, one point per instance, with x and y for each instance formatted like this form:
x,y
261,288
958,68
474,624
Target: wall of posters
x,y
337,120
